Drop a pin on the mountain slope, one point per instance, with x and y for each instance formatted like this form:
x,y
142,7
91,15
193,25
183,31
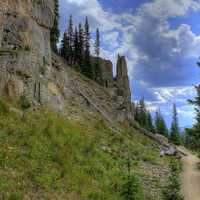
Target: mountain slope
x,y
47,156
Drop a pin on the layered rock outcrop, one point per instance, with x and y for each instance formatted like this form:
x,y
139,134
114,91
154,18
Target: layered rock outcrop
x,y
28,68
123,90
25,52
107,72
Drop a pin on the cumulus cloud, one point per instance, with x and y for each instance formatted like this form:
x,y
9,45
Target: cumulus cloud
x,y
159,57
165,97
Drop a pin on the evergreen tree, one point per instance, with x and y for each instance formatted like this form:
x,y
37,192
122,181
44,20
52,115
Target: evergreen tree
x,y
175,134
194,133
76,46
81,46
71,40
88,69
150,125
137,112
65,50
143,113
97,70
131,186
54,34
160,125
143,117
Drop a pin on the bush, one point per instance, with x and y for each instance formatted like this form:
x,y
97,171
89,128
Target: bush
x,y
24,103
198,165
77,68
14,196
131,188
3,107
172,190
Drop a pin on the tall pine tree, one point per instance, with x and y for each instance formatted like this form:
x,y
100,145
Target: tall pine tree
x,y
88,69
150,125
54,34
65,50
97,69
81,47
160,125
71,40
193,134
142,113
175,134
76,46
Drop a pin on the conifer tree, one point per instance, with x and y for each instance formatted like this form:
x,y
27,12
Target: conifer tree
x,y
142,113
175,134
160,125
54,34
193,134
143,117
137,112
71,39
150,125
97,70
88,69
81,46
65,50
76,46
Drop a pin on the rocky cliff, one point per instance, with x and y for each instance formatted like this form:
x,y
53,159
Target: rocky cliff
x,y
43,153
25,55
29,69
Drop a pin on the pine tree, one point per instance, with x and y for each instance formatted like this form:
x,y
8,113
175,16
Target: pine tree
x,y
160,125
97,43
193,134
150,125
137,112
88,69
175,134
143,113
81,46
65,50
54,34
71,40
97,70
130,189
76,46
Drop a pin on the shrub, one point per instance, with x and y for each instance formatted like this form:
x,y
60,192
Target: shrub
x,y
77,68
131,188
172,190
24,103
14,196
3,107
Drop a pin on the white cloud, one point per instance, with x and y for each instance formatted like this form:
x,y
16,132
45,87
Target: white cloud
x,y
173,94
169,8
155,52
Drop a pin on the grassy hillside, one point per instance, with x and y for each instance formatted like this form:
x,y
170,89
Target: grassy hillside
x,y
47,156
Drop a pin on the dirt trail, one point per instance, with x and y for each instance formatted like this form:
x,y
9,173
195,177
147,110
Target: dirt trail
x,y
190,176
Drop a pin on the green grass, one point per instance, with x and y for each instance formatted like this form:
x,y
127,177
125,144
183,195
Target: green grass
x,y
44,155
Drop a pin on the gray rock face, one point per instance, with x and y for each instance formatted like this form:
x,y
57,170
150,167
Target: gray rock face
x,y
107,73
123,90
24,42
27,67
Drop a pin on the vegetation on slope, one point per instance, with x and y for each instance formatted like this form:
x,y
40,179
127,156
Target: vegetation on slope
x,y
44,155
173,189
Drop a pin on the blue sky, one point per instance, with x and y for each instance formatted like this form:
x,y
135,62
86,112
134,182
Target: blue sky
x,y
161,40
